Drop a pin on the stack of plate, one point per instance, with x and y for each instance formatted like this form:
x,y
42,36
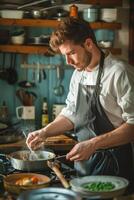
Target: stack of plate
x,y
108,14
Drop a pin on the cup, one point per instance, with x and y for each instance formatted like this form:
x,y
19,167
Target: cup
x,y
90,14
25,112
57,109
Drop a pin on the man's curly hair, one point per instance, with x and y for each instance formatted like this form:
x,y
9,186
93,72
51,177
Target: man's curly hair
x,y
75,30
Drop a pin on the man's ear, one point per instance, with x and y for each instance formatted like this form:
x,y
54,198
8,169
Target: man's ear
x,y
88,44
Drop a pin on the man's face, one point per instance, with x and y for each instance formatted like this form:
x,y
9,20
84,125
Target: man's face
x,y
76,55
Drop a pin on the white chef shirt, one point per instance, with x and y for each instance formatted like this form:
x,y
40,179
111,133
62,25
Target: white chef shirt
x,y
117,91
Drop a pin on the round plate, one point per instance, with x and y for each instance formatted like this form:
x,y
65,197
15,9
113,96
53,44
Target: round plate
x,y
50,194
119,183
11,186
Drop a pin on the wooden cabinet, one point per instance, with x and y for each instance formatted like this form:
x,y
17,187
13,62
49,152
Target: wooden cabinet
x,y
30,49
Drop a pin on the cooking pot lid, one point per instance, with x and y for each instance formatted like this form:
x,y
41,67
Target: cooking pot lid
x,y
49,193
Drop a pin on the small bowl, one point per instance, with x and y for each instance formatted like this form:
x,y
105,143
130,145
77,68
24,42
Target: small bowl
x,y
19,39
105,44
90,14
36,14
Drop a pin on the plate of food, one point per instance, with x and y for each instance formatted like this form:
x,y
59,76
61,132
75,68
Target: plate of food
x,y
18,182
100,185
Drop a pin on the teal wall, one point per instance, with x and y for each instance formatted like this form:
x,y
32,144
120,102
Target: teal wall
x,y
45,88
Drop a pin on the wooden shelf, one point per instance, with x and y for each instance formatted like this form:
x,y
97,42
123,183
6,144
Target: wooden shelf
x,y
26,49
53,23
104,2
29,22
33,49
105,25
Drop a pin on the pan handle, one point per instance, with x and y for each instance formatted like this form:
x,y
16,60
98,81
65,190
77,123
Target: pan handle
x,y
59,157
55,167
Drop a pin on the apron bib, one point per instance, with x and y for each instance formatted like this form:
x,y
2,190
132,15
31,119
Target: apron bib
x,y
116,161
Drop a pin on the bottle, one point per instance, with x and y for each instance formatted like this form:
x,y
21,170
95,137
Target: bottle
x,y
73,11
4,112
45,117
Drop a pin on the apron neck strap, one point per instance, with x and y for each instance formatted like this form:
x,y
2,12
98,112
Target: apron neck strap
x,y
97,87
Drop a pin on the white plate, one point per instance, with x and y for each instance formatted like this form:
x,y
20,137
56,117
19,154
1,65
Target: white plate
x,y
119,182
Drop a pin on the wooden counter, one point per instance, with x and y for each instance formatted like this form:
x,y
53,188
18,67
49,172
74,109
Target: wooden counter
x,y
60,143
57,143
10,147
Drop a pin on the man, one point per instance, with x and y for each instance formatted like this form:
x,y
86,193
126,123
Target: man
x,y
100,104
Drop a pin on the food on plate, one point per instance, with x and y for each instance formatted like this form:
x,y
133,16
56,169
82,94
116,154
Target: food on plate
x,y
99,186
27,181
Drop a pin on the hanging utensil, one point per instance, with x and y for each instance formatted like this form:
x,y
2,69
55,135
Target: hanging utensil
x,y
12,73
30,97
44,74
3,71
26,83
19,94
59,88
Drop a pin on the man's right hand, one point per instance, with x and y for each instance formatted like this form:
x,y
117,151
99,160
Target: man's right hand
x,y
35,139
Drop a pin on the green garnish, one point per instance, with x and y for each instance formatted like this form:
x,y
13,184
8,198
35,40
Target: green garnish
x,y
99,186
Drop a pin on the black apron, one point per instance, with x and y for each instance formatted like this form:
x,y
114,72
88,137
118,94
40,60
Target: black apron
x,y
114,161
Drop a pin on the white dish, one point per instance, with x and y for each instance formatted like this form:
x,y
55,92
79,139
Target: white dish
x,y
13,14
105,44
119,183
108,14
19,39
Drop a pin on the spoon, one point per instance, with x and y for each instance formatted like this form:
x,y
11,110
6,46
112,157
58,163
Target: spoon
x,y
32,155
59,88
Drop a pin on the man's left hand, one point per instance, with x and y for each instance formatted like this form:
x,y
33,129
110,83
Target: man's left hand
x,y
81,151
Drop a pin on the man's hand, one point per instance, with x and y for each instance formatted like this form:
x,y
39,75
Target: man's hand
x,y
81,151
35,140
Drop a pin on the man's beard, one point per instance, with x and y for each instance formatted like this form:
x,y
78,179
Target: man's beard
x,y
86,60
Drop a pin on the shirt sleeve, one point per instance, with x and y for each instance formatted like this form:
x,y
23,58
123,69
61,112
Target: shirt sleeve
x,y
125,93
69,111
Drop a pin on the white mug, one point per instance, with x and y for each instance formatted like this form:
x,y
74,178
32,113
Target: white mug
x,y
25,112
57,109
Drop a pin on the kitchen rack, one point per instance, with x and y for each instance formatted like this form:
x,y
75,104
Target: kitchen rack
x,y
34,49
46,23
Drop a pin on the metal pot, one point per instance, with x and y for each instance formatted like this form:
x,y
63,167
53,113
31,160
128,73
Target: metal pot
x,y
36,14
25,161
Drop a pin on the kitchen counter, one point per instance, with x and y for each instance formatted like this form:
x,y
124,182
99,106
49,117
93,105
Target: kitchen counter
x,y
10,147
60,143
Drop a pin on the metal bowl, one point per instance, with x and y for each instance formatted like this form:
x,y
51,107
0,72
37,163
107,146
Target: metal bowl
x,y
36,14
